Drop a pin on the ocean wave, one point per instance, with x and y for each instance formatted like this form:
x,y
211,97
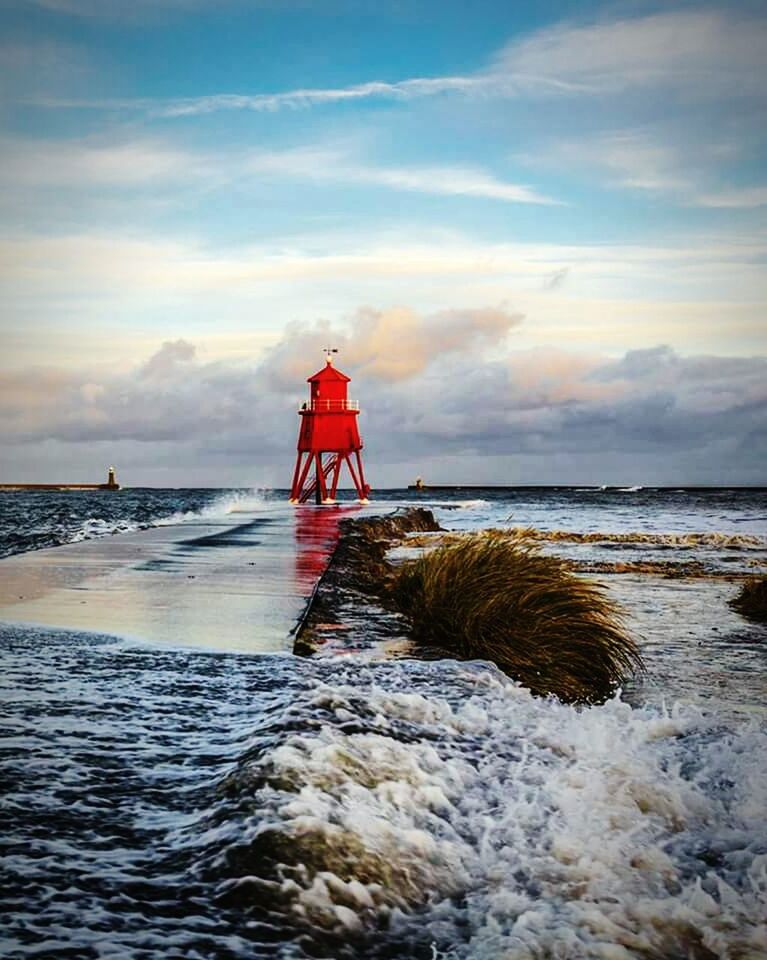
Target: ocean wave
x,y
224,505
35,521
500,825
271,808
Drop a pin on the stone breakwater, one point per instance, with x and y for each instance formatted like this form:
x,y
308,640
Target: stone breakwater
x,y
480,598
352,590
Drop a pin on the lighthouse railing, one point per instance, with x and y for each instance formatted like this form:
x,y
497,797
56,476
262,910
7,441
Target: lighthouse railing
x,y
330,406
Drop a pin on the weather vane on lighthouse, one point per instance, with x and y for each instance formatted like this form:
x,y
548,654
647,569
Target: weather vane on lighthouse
x,y
328,437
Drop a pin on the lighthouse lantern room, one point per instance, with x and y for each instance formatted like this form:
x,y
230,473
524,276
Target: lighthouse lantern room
x,y
328,438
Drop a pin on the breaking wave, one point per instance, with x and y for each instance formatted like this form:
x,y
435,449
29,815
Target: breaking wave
x,y
500,825
209,805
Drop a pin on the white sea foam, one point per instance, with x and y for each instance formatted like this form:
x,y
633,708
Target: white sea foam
x,y
94,527
524,828
240,501
222,507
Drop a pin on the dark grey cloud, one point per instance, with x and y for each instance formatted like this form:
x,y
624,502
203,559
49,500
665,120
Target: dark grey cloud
x,y
444,385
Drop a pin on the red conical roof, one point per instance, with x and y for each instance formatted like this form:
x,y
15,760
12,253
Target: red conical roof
x,y
328,372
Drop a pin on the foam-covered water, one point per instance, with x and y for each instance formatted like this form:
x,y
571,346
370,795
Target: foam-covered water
x,y
170,802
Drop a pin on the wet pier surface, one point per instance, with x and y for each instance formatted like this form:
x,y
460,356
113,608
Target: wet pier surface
x,y
240,583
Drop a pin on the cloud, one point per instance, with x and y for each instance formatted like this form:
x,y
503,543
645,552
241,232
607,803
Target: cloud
x,y
173,396
556,279
632,158
319,164
698,54
297,99
741,198
107,261
695,294
679,164
301,98
431,386
143,162
171,355
392,345
89,163
449,181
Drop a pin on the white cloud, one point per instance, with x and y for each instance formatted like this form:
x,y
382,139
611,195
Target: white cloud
x,y
660,161
308,97
334,166
85,163
739,198
451,181
296,99
106,295
108,262
697,52
631,159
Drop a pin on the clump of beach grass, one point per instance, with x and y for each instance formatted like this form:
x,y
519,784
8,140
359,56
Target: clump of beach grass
x,y
751,602
498,599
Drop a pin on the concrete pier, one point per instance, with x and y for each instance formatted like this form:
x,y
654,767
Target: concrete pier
x,y
59,486
241,583
111,484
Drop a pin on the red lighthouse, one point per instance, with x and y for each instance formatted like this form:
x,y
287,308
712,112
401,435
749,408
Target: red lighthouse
x,y
327,438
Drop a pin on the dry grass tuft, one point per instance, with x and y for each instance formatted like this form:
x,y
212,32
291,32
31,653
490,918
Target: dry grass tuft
x,y
498,599
751,602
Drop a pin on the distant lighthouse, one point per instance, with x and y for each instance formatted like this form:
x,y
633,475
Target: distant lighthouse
x,y
328,437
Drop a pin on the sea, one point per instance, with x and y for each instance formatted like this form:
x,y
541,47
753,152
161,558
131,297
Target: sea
x,y
174,801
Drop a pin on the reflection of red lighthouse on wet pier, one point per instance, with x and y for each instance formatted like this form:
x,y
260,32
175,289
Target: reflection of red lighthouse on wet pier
x,y
328,438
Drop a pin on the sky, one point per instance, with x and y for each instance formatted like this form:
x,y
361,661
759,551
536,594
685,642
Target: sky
x,y
536,233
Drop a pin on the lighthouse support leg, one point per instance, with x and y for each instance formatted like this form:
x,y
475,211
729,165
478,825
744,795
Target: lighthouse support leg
x,y
295,488
317,476
321,491
336,474
355,477
298,493
362,488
